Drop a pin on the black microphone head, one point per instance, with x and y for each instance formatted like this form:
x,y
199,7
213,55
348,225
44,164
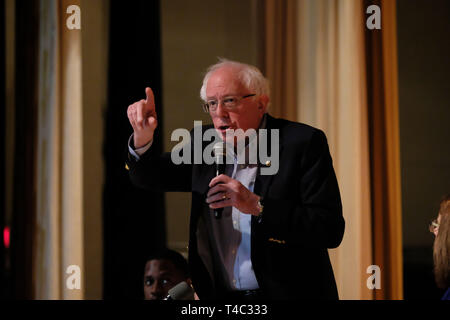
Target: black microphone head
x,y
181,291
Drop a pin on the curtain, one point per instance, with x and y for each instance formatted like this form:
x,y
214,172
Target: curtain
x,y
346,85
332,97
2,145
382,76
59,195
134,218
22,143
280,56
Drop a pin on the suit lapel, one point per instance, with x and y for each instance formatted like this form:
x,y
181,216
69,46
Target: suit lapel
x,y
263,181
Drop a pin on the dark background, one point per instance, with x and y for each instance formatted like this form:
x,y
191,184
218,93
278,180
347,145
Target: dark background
x,y
134,223
424,98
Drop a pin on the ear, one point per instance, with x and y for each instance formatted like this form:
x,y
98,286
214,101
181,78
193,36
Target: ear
x,y
263,103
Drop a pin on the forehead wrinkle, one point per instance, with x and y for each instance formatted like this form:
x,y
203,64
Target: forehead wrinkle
x,y
221,86
224,79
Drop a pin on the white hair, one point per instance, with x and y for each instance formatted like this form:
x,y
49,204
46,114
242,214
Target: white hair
x,y
249,75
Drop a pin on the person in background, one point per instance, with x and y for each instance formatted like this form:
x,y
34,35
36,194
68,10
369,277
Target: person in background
x,y
441,248
164,270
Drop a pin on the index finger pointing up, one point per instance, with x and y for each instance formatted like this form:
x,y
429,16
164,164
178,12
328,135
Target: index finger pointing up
x,y
150,99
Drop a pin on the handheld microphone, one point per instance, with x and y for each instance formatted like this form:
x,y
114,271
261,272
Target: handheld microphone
x,y
220,156
181,291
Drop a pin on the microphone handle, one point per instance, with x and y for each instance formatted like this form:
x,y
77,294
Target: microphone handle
x,y
220,169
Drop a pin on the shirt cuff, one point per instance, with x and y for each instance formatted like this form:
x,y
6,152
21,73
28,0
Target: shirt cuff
x,y
137,153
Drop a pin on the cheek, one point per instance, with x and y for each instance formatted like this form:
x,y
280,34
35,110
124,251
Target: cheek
x,y
249,120
215,120
147,293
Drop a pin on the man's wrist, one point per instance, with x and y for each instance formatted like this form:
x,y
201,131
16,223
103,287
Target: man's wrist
x,y
140,145
140,151
137,152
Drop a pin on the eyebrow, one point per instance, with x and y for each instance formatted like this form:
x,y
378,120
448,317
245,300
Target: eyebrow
x,y
163,273
224,96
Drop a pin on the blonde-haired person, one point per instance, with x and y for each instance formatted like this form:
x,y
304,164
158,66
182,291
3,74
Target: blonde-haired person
x,y
441,248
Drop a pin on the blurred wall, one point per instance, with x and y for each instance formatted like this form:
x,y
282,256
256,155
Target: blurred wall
x,y
424,85
424,94
194,34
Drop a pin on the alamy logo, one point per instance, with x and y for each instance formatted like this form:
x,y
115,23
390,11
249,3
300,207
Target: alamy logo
x,y
74,20
258,145
374,21
374,281
74,280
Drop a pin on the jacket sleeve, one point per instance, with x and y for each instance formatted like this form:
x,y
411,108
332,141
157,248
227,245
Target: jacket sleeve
x,y
314,218
156,171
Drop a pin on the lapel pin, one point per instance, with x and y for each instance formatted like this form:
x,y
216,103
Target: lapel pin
x,y
277,241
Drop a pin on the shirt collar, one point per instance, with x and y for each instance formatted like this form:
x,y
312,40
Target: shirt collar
x,y
247,149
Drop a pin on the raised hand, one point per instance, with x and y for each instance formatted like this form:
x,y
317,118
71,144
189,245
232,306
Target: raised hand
x,y
143,119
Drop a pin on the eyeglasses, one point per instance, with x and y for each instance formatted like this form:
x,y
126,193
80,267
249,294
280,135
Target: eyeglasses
x,y
434,225
229,103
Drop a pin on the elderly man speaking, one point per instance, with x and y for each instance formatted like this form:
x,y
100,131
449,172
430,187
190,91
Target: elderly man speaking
x,y
272,238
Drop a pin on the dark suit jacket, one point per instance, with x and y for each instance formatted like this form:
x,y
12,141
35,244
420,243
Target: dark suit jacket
x,y
302,215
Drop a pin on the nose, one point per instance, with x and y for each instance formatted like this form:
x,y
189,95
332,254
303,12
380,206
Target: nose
x,y
221,110
156,289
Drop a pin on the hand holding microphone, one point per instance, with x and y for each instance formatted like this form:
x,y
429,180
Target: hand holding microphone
x,y
228,192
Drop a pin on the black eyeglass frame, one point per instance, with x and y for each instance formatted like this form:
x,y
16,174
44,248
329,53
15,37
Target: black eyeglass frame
x,y
433,225
206,108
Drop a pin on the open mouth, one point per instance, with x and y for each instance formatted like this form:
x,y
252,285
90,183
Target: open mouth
x,y
224,128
